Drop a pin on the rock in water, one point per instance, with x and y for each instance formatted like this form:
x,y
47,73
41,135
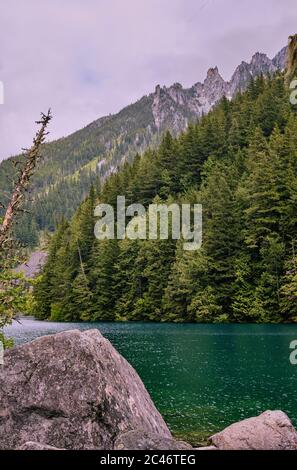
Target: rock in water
x,y
271,430
72,390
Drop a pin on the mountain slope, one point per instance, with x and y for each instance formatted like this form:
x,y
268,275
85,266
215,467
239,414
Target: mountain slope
x,y
240,162
73,163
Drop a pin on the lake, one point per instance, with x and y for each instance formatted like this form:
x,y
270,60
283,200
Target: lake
x,y
201,377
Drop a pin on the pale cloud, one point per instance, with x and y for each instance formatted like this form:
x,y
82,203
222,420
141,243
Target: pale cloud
x,y
89,58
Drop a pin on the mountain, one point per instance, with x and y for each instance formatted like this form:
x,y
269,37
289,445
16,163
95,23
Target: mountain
x,y
71,164
240,162
175,106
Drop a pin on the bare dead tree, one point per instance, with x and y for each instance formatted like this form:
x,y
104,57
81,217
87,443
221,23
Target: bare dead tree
x,y
26,171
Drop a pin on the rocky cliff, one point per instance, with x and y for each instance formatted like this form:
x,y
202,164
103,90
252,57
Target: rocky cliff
x,y
175,106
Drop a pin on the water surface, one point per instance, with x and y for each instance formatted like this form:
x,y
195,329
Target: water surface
x,y
201,377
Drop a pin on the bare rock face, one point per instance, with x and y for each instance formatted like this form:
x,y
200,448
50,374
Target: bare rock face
x,y
280,60
174,107
142,440
271,430
72,390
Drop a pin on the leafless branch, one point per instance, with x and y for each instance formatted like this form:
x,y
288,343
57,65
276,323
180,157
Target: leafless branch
x,y
27,170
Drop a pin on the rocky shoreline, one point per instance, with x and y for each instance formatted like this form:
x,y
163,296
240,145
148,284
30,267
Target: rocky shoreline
x,y
73,390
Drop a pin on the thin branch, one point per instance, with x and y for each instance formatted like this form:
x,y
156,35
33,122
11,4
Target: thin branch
x,y
22,184
81,263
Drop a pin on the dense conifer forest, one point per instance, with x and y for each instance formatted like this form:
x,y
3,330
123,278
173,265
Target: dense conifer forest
x,y
240,163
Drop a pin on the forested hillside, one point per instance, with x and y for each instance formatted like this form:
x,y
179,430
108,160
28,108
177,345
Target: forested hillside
x,y
71,164
240,162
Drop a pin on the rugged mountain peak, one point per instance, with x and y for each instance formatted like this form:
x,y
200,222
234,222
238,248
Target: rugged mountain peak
x,y
242,69
176,105
197,88
169,108
176,86
214,86
213,76
177,94
259,58
280,60
101,147
157,89
212,72
240,78
260,63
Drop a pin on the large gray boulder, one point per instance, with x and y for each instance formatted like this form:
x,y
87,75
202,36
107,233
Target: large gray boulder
x,y
271,430
139,439
72,390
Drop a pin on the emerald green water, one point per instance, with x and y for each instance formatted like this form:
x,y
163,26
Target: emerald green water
x,y
201,377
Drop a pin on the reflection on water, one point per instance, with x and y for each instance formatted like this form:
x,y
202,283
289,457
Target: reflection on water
x,y
201,377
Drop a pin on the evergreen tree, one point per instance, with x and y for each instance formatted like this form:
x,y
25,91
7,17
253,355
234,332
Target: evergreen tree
x,y
240,162
104,259
82,296
288,291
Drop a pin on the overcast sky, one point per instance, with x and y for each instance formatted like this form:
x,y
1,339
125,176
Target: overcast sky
x,y
89,58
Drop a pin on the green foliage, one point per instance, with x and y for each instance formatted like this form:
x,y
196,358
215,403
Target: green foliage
x,y
288,290
7,342
240,162
71,164
14,297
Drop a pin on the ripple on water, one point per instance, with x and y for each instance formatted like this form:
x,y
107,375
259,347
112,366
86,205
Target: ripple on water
x,y
201,377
